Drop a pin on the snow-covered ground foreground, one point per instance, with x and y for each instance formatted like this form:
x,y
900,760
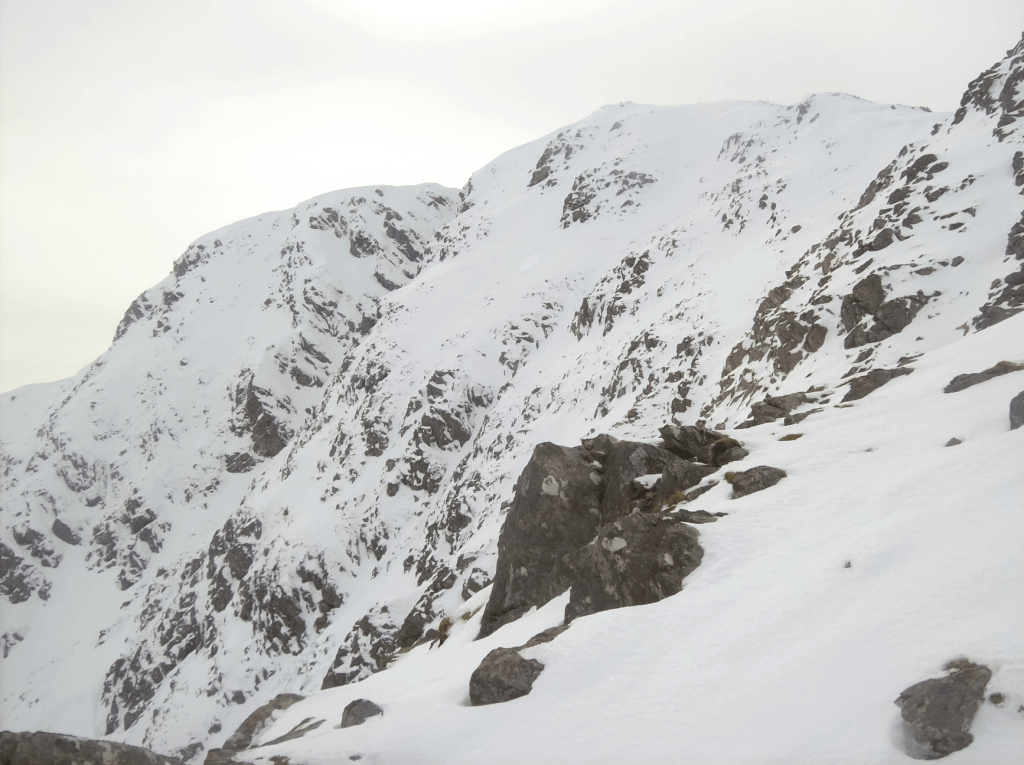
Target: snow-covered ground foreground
x,y
882,556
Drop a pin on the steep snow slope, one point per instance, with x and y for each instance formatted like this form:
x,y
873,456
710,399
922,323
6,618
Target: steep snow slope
x,y
109,476
775,651
643,265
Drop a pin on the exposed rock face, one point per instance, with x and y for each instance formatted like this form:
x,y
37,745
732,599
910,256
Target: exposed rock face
x,y
58,749
937,713
868,299
726,450
755,479
678,477
774,408
691,442
626,461
258,720
64,533
1017,411
556,510
962,382
358,712
250,728
641,558
872,381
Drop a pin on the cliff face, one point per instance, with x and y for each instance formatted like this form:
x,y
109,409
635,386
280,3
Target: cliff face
x,y
295,459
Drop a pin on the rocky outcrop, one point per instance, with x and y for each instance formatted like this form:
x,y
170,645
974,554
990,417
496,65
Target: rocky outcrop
x,y
628,460
251,727
937,713
639,559
775,408
890,316
59,749
756,479
259,720
872,381
504,675
556,510
962,382
358,712
565,496
690,442
1017,411
679,477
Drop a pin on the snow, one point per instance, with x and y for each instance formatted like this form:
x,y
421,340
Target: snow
x,y
881,556
775,651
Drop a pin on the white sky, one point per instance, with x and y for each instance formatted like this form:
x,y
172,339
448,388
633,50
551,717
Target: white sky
x,y
128,128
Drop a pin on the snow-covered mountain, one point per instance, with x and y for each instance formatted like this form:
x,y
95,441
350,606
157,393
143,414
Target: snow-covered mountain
x,y
290,470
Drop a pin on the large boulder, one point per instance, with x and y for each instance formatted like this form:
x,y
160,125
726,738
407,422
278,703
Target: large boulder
x,y
358,712
556,510
640,558
937,713
59,749
756,479
503,675
690,442
626,461
1017,411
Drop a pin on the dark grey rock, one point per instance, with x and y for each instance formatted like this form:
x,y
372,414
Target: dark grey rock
x,y
59,749
556,510
954,442
254,723
503,675
16,581
1017,411
872,381
300,730
726,450
64,533
599,447
937,713
240,462
358,712
756,479
869,293
691,442
641,558
627,461
962,382
774,408
544,637
679,477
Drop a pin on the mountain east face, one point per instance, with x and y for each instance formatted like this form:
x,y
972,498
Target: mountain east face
x,y
290,470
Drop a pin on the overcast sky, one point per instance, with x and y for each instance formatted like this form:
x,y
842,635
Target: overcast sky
x,y
128,128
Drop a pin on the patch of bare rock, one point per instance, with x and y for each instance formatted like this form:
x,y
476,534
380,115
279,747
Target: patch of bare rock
x,y
937,713
604,521
59,749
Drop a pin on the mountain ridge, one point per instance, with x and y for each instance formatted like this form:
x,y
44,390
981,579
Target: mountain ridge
x,y
645,264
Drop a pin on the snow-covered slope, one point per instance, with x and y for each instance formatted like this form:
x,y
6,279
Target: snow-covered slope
x,y
294,460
